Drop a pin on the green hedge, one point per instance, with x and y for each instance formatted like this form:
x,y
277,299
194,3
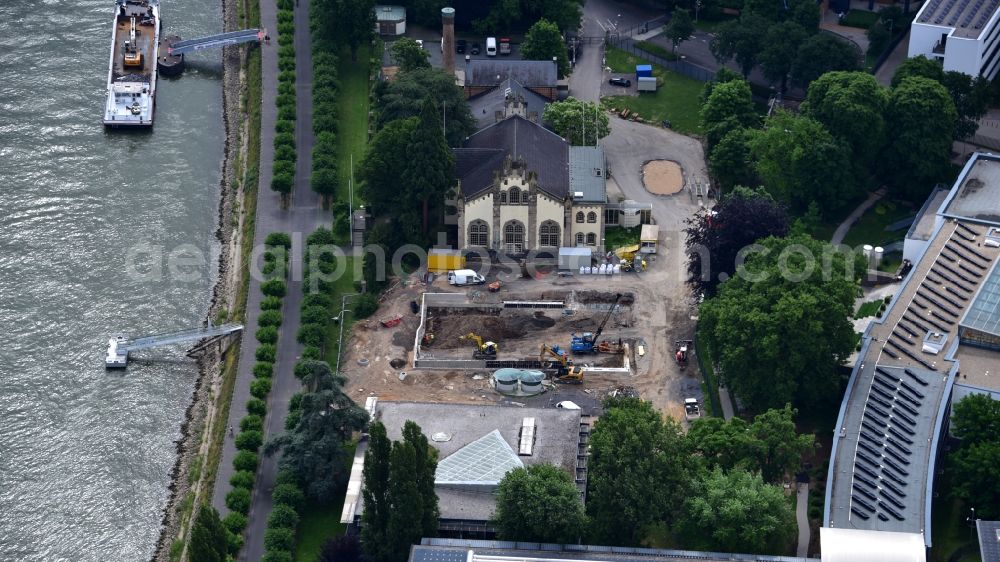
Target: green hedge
x,y
257,407
235,522
283,517
242,479
274,288
270,303
266,352
249,440
251,422
245,460
267,334
238,500
260,388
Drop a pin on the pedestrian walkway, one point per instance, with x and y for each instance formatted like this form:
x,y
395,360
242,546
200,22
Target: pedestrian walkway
x,y
802,518
726,403
845,227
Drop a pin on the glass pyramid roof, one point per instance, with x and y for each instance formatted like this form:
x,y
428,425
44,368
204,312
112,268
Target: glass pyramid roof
x,y
484,461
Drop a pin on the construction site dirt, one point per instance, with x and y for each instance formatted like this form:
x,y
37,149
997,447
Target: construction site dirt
x,y
654,311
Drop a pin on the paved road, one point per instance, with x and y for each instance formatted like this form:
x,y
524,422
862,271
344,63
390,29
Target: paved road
x,y
303,215
801,512
844,227
888,68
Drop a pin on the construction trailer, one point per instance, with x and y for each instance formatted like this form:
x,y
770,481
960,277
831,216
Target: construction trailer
x,y
573,259
441,261
646,84
648,237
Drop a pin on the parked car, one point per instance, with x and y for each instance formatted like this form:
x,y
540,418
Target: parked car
x,y
620,82
460,46
568,405
475,48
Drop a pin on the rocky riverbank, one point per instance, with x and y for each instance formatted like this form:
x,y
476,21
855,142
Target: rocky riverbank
x,y
201,414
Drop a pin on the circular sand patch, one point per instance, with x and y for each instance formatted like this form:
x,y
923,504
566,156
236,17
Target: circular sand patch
x,y
662,177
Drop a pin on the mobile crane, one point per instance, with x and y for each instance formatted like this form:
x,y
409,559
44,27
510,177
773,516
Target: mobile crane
x,y
586,342
566,372
484,349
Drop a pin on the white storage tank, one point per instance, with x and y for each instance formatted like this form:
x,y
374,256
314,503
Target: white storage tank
x,y
505,380
531,382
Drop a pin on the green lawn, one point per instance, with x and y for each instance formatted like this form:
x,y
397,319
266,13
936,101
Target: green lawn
x,y
870,229
344,285
656,49
860,18
676,97
616,236
319,523
352,135
869,308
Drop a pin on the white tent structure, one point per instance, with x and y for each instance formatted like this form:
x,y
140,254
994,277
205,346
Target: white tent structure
x,y
856,545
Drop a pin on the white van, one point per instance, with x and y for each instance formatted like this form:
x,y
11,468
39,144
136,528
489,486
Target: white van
x,y
465,277
491,46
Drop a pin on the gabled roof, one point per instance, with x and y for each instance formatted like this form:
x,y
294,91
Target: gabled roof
x,y
484,462
586,173
485,105
542,151
491,72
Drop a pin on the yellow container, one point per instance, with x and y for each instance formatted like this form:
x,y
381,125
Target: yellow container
x,y
442,261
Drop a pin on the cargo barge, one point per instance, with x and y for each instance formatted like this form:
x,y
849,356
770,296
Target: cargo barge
x,y
132,70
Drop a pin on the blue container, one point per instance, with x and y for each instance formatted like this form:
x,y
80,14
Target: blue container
x,y
643,70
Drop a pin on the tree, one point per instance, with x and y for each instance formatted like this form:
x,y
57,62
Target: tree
x,y
539,504
737,512
430,169
780,328
356,23
878,39
680,28
314,449
851,105
976,418
971,97
779,448
715,240
741,40
409,55
398,491
582,123
974,477
345,548
728,107
384,164
404,97
639,470
822,53
918,66
208,537
780,50
729,161
922,117
799,161
543,42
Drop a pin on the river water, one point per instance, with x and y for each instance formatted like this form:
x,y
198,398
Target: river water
x,y
86,454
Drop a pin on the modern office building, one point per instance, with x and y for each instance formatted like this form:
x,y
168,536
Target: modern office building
x,y
963,34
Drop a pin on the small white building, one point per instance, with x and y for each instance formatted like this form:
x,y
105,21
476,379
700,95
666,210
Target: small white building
x,y
390,20
962,34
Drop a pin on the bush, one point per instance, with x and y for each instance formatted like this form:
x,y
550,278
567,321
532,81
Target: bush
x,y
277,556
235,522
286,77
288,51
269,318
315,315
284,126
284,139
282,183
274,288
286,5
259,388
245,460
267,334
257,407
249,441
242,479
278,239
251,423
316,299
283,517
311,334
365,306
312,352
286,64
286,153
269,267
266,352
288,494
270,303
235,543
286,113
238,500
279,539
263,370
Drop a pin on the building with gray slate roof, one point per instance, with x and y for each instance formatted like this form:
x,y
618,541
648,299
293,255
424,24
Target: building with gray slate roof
x,y
523,189
989,540
936,343
493,106
539,76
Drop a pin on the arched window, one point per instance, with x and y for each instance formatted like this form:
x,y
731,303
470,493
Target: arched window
x,y
579,239
579,216
591,239
548,234
514,196
479,233
592,217
513,237
503,197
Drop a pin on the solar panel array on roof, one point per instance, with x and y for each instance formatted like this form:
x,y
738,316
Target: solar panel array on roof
x,y
438,555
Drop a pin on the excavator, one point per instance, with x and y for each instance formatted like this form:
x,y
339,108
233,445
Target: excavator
x,y
586,342
484,349
682,348
566,372
132,57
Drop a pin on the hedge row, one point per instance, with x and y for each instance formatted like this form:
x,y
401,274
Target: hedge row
x,y
279,538
251,435
283,177
324,178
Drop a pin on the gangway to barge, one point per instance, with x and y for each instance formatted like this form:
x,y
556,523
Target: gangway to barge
x,y
215,41
120,346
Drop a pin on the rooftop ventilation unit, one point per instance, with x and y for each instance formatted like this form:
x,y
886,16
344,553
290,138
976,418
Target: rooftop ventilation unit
x,y
934,342
577,195
993,237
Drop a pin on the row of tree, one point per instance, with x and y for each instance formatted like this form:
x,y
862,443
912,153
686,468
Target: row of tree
x,y
717,487
283,177
851,133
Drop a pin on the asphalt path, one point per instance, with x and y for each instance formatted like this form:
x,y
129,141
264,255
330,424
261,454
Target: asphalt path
x,y
303,215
